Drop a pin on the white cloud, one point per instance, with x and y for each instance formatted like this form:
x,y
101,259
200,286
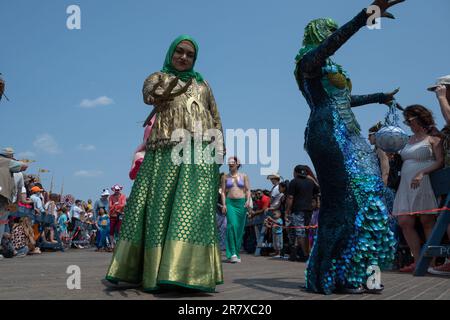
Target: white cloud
x,y
25,155
100,101
86,147
88,173
46,143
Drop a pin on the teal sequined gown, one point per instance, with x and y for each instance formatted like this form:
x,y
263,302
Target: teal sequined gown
x,y
353,229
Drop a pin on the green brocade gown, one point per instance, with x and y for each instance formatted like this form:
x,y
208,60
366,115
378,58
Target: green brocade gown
x,y
169,234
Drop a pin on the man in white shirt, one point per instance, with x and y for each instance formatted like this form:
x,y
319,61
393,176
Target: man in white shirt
x,y
275,179
76,210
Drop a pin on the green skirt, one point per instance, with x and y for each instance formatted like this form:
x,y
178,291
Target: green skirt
x,y
236,219
169,234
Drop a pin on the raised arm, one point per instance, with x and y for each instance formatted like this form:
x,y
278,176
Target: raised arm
x,y
316,58
441,93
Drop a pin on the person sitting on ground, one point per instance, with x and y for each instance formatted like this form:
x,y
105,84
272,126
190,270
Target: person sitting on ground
x,y
20,238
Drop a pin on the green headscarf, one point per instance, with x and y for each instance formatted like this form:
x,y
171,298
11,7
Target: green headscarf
x,y
316,32
169,68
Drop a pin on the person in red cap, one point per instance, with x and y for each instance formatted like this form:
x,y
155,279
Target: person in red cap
x,y
117,203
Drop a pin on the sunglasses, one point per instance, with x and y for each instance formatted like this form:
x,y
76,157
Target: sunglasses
x,y
408,121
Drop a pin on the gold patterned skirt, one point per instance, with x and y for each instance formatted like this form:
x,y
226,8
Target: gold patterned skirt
x,y
169,234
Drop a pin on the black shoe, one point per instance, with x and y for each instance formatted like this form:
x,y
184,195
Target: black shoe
x,y
359,290
374,291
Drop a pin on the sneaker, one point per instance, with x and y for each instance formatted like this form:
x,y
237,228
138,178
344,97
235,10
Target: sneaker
x,y
277,257
20,255
1,257
234,259
442,270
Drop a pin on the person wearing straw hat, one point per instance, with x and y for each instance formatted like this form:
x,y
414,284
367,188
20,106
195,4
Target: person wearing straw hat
x,y
275,178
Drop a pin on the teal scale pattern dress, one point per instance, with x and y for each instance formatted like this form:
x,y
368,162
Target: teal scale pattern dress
x,y
353,231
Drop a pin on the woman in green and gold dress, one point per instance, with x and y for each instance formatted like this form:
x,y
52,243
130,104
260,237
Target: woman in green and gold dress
x,y
169,235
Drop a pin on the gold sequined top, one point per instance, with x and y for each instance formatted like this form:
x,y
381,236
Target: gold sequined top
x,y
196,105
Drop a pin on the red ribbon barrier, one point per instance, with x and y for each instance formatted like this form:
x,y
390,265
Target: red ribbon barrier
x,y
432,211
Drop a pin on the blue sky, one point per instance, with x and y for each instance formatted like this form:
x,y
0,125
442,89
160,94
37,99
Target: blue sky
x,y
247,51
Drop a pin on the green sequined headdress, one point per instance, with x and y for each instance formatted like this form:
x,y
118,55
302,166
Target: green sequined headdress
x,y
169,68
316,32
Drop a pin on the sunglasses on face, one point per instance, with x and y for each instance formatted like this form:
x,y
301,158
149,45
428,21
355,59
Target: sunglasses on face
x,y
408,121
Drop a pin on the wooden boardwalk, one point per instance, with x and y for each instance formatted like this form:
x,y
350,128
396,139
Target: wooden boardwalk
x,y
256,278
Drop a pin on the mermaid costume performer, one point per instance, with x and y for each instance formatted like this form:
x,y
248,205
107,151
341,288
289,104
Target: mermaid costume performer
x,y
169,234
353,229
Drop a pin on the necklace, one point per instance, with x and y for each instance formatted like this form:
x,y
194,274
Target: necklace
x,y
416,138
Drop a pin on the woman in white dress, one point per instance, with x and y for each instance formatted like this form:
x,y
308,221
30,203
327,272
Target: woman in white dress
x,y
421,156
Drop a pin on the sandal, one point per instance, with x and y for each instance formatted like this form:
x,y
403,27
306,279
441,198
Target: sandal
x,y
408,269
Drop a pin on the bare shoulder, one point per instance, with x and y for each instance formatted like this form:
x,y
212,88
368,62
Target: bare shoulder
x,y
435,140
